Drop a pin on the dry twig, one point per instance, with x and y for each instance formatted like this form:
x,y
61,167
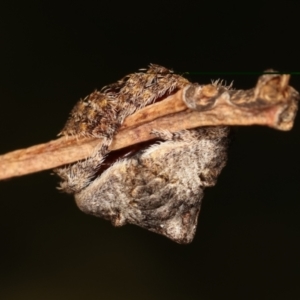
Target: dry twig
x,y
271,103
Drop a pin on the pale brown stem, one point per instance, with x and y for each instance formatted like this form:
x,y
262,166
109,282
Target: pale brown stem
x,y
229,108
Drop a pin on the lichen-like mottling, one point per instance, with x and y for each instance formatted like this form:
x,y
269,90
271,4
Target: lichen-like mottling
x,y
160,188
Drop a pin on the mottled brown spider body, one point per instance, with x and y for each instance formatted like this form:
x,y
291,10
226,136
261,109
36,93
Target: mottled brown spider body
x,y
159,188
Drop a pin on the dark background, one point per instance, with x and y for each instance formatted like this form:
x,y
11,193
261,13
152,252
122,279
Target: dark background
x,y
247,242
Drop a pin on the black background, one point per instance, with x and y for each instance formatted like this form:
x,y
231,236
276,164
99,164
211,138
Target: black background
x,y
247,242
